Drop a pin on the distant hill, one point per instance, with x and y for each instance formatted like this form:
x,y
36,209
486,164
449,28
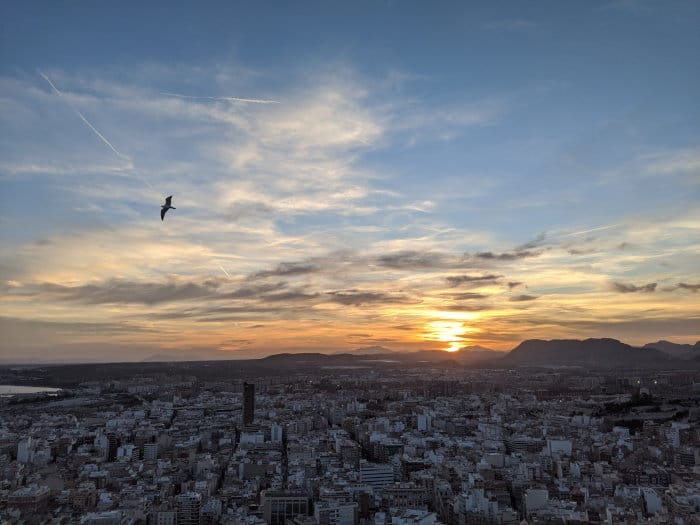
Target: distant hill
x,y
590,353
679,351
371,350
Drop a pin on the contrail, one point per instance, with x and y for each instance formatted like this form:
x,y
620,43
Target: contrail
x,y
93,128
223,270
82,117
590,231
233,99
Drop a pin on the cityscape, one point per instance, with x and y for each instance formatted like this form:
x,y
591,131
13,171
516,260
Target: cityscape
x,y
331,262
375,443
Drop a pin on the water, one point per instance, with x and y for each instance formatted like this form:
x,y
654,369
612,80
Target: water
x,y
10,390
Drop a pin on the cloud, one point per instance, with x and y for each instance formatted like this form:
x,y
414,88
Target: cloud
x,y
523,297
507,256
468,307
465,296
412,260
457,280
123,291
687,286
514,284
537,241
581,251
290,296
358,297
631,288
286,269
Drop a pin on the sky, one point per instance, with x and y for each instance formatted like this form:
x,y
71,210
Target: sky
x,y
409,175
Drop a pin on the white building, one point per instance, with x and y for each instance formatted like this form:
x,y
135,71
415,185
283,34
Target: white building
x,y
25,450
376,475
535,499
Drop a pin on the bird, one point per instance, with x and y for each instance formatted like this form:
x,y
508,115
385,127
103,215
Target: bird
x,y
165,207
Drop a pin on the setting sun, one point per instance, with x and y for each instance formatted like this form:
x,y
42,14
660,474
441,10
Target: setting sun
x,y
451,332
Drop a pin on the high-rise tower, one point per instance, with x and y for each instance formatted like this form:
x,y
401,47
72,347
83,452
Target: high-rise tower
x,y
248,403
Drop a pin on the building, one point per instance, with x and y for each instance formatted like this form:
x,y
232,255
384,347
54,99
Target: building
x,y
24,450
248,403
335,513
30,500
376,475
188,505
279,506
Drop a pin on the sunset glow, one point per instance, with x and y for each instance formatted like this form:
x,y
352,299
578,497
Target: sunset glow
x,y
389,189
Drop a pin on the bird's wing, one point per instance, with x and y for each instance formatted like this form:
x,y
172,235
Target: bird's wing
x,y
162,213
167,200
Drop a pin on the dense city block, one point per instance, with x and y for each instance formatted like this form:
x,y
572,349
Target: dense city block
x,y
364,445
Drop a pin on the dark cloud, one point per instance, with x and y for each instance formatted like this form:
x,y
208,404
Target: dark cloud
x,y
457,280
514,284
287,269
522,298
631,288
415,260
581,251
408,260
357,297
254,291
507,256
122,291
36,328
467,295
537,241
468,307
290,296
687,286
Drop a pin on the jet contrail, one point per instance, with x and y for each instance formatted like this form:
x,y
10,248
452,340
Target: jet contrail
x,y
93,128
233,99
223,270
82,117
590,231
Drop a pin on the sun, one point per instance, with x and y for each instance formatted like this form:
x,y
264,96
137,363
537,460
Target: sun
x,y
451,332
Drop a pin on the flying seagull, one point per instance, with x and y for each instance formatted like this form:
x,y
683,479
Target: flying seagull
x,y
165,207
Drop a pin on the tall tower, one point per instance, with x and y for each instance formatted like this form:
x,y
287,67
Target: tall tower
x,y
248,403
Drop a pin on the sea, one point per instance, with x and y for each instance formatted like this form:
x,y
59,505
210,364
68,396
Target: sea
x,y
13,390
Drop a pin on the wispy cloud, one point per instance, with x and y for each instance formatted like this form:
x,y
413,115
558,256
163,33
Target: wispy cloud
x,y
458,280
631,288
522,298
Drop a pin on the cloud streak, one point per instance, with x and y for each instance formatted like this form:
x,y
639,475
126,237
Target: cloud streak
x,y
631,288
229,99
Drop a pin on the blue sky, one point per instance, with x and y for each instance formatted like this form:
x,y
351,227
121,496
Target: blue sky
x,y
412,148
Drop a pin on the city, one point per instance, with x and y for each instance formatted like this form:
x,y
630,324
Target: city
x,y
357,445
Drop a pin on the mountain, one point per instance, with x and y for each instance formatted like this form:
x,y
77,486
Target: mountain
x,y
594,353
371,350
679,351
